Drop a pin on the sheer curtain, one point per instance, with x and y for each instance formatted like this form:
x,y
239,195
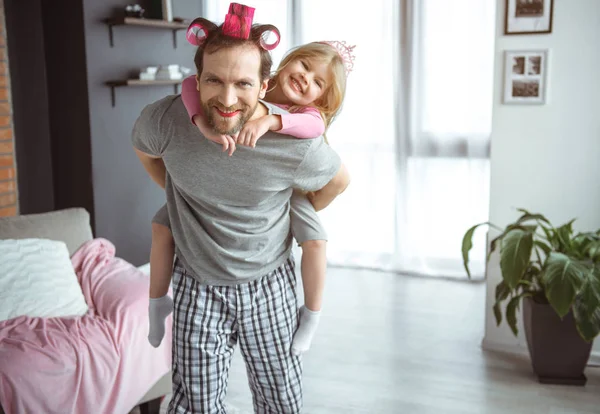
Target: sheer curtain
x,y
414,130
448,86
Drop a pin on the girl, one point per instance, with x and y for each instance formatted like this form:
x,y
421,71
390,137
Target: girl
x,y
310,83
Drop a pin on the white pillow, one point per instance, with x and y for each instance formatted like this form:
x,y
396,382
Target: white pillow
x,y
37,279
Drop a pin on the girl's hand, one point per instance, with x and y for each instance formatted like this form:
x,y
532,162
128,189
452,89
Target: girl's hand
x,y
227,141
253,130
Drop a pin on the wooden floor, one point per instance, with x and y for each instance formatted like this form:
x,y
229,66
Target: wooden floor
x,y
395,344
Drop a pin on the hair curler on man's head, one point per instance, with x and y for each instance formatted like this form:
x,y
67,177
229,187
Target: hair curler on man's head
x,y
237,30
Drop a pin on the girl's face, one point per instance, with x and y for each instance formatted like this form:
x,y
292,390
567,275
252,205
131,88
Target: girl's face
x,y
304,80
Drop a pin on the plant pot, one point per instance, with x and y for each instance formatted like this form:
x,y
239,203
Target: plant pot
x,y
558,354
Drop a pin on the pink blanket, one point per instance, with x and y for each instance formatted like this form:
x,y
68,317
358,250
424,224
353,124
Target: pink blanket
x,y
98,363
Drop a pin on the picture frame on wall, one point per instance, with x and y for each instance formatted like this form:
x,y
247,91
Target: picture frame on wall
x,y
528,17
526,76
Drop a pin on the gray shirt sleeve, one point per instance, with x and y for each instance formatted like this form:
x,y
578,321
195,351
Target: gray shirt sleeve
x,y
162,217
320,164
305,221
150,134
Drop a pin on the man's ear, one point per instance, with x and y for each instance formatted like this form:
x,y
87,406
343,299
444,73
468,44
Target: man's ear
x,y
198,82
264,86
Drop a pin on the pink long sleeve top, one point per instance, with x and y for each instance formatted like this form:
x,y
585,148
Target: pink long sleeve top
x,y
305,122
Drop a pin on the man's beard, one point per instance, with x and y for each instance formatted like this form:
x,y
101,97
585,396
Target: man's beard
x,y
219,124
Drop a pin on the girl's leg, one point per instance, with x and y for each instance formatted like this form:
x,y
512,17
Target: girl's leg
x,y
161,260
161,267
314,267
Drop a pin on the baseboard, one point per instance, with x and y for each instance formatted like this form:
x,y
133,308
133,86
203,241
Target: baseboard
x,y
496,346
517,349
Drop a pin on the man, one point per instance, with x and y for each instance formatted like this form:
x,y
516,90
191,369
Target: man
x,y
234,278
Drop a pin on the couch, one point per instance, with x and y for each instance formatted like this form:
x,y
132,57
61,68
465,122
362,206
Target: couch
x,y
145,377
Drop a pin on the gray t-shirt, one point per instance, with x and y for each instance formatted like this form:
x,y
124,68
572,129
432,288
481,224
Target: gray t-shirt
x,y
230,216
305,222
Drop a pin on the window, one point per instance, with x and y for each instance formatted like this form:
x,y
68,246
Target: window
x,y
414,130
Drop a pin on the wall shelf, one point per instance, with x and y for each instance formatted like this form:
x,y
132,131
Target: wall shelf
x,y
137,82
174,26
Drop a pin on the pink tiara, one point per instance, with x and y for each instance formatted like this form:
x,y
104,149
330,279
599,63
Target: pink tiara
x,y
346,53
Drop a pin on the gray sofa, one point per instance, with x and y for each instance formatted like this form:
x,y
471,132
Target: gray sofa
x,y
72,226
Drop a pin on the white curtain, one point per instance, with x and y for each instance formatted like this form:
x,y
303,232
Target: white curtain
x,y
414,130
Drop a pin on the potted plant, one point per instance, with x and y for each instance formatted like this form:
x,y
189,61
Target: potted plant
x,y
556,274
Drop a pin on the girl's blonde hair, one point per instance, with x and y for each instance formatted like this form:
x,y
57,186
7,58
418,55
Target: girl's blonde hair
x,y
330,103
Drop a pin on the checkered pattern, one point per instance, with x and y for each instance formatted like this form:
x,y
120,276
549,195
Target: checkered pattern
x,y
208,321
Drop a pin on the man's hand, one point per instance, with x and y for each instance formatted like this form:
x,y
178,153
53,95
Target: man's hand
x,y
154,166
253,130
227,141
338,184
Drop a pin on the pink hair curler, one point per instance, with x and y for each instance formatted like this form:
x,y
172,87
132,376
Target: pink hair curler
x,y
238,24
238,21
196,34
264,39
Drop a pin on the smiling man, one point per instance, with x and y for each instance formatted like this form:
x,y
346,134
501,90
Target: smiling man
x,y
229,95
233,280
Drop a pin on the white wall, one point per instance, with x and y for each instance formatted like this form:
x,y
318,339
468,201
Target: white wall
x,y
547,158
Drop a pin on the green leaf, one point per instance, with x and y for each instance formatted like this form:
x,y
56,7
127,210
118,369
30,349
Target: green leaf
x,y
508,229
498,313
493,245
589,327
511,314
530,228
502,292
582,242
545,248
562,278
530,276
587,319
467,245
589,294
550,236
537,254
531,216
515,255
568,226
525,283
511,311
593,251
564,234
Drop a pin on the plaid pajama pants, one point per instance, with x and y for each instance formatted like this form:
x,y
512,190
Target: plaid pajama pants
x,y
208,321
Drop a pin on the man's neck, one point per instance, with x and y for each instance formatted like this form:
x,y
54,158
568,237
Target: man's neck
x,y
260,111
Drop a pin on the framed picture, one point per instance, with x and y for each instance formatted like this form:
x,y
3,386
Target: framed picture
x,y
528,17
525,76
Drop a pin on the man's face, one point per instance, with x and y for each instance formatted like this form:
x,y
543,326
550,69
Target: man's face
x,y
230,87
